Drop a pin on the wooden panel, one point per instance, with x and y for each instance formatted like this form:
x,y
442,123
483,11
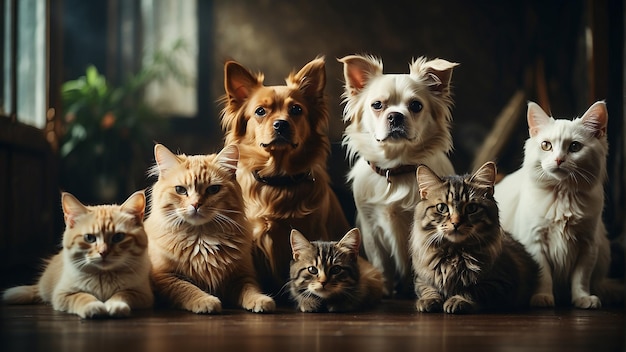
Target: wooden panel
x,y
29,198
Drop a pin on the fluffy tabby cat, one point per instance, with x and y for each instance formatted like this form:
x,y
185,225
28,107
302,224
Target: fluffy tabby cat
x,y
553,205
200,239
103,268
330,276
462,258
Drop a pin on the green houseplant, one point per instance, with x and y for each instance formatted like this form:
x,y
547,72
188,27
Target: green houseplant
x,y
108,129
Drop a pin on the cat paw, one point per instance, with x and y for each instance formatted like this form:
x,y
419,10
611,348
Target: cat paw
x,y
542,300
428,305
260,304
92,310
117,309
587,302
309,305
458,304
205,305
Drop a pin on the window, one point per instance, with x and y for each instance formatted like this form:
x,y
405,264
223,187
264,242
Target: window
x,y
166,22
24,92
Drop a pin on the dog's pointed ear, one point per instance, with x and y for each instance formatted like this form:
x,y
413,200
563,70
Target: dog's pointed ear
x,y
437,73
311,78
358,70
239,83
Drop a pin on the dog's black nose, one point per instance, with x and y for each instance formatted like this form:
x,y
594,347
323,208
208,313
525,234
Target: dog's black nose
x,y
395,119
281,127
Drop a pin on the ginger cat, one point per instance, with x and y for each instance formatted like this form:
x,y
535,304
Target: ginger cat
x,y
103,268
200,239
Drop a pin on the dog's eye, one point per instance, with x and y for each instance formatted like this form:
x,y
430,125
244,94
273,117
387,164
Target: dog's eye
x,y
260,111
377,105
295,110
416,106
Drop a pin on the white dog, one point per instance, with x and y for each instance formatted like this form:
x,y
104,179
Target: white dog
x,y
395,122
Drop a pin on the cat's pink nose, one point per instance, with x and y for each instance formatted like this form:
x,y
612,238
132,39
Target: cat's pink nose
x,y
559,161
103,251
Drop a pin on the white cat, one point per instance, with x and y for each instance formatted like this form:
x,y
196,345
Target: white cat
x,y
553,205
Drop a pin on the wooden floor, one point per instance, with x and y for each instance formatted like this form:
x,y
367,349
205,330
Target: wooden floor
x,y
394,326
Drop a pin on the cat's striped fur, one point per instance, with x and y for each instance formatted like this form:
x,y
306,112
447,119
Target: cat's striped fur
x,y
330,276
462,259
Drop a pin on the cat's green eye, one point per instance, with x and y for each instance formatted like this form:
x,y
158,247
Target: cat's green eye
x,y
118,237
575,147
471,208
335,270
312,270
181,190
442,208
89,238
377,105
547,146
213,189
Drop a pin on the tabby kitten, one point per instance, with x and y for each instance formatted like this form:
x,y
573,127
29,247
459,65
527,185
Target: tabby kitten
x,y
331,276
463,260
553,206
200,239
103,268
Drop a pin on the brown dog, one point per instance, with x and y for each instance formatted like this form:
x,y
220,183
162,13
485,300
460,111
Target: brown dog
x,y
282,136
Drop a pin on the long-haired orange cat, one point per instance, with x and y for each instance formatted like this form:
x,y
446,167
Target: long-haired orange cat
x,y
200,240
103,268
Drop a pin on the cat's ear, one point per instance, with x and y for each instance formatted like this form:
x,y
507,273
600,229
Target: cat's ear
x,y
537,118
165,159
228,158
426,180
358,70
485,176
596,118
135,205
351,241
437,73
299,243
72,208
